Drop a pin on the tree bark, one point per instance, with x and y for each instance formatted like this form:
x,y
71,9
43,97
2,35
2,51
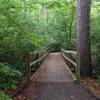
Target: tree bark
x,y
83,36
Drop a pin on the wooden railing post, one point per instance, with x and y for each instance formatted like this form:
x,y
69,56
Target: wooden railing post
x,y
28,68
78,67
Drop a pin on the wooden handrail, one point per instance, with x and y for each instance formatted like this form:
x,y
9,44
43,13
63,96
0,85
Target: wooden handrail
x,y
66,51
75,64
30,64
69,59
38,60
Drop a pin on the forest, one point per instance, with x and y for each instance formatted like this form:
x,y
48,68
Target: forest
x,y
34,25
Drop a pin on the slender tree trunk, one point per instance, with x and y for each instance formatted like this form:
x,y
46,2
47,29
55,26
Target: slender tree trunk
x,y
47,19
25,8
70,28
70,32
83,36
65,29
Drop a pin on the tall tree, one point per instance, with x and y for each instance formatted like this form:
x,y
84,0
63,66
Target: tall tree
x,y
83,36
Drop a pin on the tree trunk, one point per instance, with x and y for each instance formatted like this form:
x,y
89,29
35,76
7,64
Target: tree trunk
x,y
83,36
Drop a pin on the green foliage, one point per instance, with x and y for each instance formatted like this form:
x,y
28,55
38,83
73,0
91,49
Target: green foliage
x,y
96,65
55,47
95,38
8,76
3,96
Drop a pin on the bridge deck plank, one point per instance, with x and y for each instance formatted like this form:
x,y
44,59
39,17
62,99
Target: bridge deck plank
x,y
53,70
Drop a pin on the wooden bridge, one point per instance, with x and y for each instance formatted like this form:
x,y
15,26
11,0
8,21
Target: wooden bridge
x,y
54,67
54,79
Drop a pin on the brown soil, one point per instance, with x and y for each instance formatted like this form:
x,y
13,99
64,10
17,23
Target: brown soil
x,y
92,85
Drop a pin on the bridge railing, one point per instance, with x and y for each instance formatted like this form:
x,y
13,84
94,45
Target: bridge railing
x,y
33,66
72,58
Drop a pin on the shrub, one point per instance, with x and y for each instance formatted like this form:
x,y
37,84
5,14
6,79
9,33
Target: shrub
x,y
8,76
3,96
96,66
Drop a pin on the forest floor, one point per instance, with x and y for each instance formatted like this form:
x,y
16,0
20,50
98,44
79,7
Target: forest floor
x,y
54,82
91,85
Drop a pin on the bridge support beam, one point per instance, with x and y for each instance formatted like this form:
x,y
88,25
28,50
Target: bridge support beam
x,y
28,68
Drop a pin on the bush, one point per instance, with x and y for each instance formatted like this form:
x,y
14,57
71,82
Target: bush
x,y
3,96
8,76
55,47
96,66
